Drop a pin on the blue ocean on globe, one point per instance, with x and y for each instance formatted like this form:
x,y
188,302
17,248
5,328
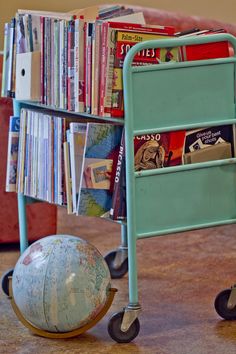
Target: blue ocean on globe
x,y
60,283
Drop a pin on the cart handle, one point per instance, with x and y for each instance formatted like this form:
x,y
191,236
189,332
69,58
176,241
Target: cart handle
x,y
177,42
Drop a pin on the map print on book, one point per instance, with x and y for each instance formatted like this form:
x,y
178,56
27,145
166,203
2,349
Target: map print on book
x,y
99,165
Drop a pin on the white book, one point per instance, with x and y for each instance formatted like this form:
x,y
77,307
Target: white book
x,y
79,65
67,170
62,64
77,143
21,152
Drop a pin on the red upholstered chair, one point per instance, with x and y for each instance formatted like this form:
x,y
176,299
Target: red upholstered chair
x,y
179,21
182,22
41,217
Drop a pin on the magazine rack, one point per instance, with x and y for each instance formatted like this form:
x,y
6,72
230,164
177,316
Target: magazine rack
x,y
162,98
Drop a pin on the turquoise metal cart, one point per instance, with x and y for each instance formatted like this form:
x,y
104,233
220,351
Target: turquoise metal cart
x,y
162,98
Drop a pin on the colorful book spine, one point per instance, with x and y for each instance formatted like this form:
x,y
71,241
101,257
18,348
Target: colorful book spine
x,y
71,66
42,54
12,154
88,82
118,208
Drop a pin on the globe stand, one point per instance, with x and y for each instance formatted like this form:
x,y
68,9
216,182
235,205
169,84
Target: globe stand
x,y
74,333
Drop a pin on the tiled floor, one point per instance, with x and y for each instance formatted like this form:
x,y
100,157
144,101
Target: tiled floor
x,y
179,277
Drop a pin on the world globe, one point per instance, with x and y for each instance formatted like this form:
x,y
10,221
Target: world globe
x,y
60,283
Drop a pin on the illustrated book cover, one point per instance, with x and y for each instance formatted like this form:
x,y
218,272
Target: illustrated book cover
x,y
100,159
158,150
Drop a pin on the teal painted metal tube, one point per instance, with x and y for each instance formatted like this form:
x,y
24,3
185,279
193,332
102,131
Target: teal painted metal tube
x,y
189,167
16,107
177,42
124,241
22,222
130,183
23,234
183,229
187,126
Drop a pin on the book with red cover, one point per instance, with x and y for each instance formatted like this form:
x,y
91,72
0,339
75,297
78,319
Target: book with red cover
x,y
158,150
206,50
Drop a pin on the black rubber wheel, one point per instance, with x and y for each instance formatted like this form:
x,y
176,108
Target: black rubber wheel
x,y
221,305
115,332
116,273
5,281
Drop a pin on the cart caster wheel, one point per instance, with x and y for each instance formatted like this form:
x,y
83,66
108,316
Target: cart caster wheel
x,y
116,272
115,332
221,305
5,281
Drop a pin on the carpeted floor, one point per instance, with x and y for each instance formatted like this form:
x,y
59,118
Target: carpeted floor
x,y
179,277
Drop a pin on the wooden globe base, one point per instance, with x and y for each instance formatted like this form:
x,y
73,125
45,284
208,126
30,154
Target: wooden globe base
x,y
75,332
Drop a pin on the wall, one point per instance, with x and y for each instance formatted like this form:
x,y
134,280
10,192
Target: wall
x,y
220,10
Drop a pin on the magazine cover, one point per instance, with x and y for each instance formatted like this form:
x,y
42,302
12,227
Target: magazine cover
x,y
124,41
207,144
99,165
158,150
12,155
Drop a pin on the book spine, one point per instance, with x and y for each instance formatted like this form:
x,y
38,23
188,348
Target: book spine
x,y
81,66
48,61
109,71
55,165
20,34
26,165
56,63
36,33
65,66
88,67
61,64
71,66
118,208
76,62
45,81
11,53
59,158
103,68
12,154
22,151
42,20
52,64
5,60
26,27
31,47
